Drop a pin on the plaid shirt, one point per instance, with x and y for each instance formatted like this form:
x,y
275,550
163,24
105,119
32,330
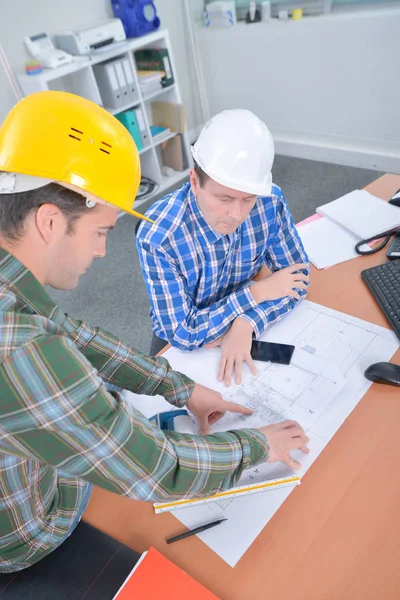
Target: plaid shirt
x,y
198,280
60,428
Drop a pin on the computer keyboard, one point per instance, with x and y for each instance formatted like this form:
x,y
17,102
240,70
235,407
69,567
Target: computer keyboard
x,y
383,282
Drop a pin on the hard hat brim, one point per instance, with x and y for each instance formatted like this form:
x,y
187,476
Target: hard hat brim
x,y
133,213
14,183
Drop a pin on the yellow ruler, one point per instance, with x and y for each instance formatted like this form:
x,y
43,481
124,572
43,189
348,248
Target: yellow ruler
x,y
237,492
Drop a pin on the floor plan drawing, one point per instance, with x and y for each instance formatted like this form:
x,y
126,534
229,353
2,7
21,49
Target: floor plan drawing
x,y
319,389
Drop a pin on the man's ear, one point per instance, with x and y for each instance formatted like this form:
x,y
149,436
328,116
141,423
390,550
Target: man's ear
x,y
194,182
50,222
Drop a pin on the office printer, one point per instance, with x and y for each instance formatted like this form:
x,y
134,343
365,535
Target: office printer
x,y
85,40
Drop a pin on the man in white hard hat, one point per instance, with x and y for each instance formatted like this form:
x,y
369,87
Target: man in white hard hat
x,y
212,237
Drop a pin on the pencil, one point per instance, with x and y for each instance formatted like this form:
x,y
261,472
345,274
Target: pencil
x,y
181,536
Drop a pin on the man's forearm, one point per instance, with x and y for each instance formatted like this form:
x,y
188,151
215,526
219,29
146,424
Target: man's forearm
x,y
126,367
267,313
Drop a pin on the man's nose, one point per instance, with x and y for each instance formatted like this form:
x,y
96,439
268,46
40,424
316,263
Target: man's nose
x,y
235,210
100,250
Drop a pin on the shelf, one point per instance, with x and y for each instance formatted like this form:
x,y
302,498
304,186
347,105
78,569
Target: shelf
x,y
145,149
174,179
81,77
165,139
88,60
115,111
47,74
167,183
158,93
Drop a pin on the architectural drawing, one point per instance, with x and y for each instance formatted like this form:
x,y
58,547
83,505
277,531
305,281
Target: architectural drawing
x,y
319,389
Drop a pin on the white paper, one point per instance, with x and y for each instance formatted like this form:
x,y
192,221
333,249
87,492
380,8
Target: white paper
x,y
362,213
327,243
339,346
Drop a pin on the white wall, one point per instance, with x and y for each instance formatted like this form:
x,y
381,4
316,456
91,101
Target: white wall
x,y
19,18
328,87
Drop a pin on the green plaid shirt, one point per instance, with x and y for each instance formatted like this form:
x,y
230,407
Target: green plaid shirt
x,y
60,428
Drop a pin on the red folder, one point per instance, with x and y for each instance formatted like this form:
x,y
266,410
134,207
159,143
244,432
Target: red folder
x,y
154,577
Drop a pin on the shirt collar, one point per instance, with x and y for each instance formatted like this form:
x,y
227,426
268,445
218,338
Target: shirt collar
x,y
25,286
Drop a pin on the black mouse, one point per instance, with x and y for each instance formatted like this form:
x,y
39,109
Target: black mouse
x,y
383,372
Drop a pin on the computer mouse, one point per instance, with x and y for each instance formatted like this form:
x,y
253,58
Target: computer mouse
x,y
383,372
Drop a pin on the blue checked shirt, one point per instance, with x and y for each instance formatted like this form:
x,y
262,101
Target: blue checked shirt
x,y
198,280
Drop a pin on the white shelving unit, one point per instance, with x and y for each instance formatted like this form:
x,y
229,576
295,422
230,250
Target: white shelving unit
x,y
79,78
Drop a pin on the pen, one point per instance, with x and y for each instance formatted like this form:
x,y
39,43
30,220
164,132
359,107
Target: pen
x,y
181,536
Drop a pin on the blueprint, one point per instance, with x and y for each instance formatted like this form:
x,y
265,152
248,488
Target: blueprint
x,y
319,389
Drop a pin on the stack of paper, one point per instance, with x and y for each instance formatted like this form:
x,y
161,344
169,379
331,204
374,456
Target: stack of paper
x,y
150,81
329,237
362,213
326,243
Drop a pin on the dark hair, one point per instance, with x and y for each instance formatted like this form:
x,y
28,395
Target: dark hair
x,y
201,175
15,208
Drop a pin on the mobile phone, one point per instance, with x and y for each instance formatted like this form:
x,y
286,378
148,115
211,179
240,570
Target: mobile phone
x,y
270,352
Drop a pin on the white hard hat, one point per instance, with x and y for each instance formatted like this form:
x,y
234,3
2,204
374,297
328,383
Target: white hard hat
x,y
236,149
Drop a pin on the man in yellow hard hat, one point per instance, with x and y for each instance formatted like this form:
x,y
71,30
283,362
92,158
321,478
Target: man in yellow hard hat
x,y
66,168
212,237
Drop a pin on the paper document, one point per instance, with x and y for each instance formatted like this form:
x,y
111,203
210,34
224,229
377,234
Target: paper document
x,y
327,243
362,214
320,388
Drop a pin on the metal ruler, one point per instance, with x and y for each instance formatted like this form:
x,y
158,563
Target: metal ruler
x,y
237,492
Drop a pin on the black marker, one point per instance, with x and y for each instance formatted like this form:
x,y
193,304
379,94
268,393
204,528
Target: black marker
x,y
181,536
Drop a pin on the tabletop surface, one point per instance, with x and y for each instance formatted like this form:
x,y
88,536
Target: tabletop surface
x,y
337,535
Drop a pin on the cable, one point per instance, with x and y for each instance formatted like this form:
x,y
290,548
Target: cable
x,y
147,186
386,234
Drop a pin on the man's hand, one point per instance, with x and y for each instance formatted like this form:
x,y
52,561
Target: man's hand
x,y
284,437
235,345
208,406
281,283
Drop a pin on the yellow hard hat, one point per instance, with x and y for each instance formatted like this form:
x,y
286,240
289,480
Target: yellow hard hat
x,y
57,136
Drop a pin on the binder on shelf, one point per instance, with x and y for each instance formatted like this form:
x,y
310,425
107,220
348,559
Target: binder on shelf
x,y
155,59
168,114
109,87
142,126
155,577
123,84
129,79
128,119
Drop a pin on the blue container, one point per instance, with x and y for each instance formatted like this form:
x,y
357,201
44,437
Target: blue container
x,y
138,16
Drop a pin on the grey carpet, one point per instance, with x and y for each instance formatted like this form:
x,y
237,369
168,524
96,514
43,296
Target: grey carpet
x,y
112,294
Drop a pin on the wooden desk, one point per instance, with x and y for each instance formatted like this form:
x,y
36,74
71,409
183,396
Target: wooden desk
x,y
337,536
